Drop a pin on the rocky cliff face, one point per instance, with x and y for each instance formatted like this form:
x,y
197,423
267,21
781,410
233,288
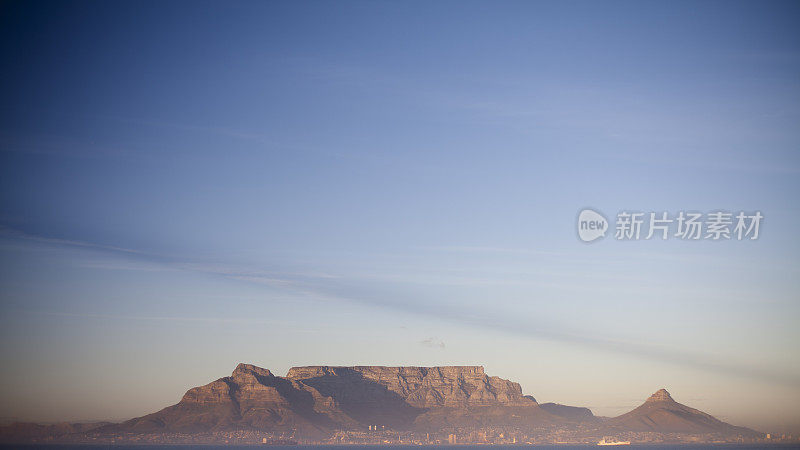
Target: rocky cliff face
x,y
660,395
419,387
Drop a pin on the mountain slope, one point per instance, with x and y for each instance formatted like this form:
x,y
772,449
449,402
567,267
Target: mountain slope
x,y
575,413
315,400
251,398
661,413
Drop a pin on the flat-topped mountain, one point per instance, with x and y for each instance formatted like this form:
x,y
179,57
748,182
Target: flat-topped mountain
x,y
663,414
428,398
419,387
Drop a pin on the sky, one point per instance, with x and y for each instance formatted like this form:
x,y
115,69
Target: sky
x,y
189,185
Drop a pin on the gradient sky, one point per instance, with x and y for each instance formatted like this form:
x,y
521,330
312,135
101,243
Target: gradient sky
x,y
184,186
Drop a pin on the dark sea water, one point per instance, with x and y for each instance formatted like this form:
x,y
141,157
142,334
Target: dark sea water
x,y
398,447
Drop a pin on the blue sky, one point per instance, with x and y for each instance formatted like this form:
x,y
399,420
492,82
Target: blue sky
x,y
185,186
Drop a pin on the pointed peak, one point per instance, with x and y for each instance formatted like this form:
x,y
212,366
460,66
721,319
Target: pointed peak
x,y
245,369
660,395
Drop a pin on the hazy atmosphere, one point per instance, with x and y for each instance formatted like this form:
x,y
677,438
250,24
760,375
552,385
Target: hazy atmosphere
x,y
189,185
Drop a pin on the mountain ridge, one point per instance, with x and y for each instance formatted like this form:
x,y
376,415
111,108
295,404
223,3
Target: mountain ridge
x,y
314,402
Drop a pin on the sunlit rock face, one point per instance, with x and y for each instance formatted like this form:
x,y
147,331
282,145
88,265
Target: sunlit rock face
x,y
660,395
419,387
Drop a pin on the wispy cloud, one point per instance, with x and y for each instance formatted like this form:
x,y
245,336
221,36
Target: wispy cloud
x,y
17,234
333,288
489,249
239,321
432,343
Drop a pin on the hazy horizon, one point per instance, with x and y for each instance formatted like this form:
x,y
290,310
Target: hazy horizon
x,y
186,186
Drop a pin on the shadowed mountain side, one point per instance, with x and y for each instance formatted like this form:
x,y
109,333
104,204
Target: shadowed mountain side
x,y
425,398
573,413
251,398
663,414
366,401
319,399
419,387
